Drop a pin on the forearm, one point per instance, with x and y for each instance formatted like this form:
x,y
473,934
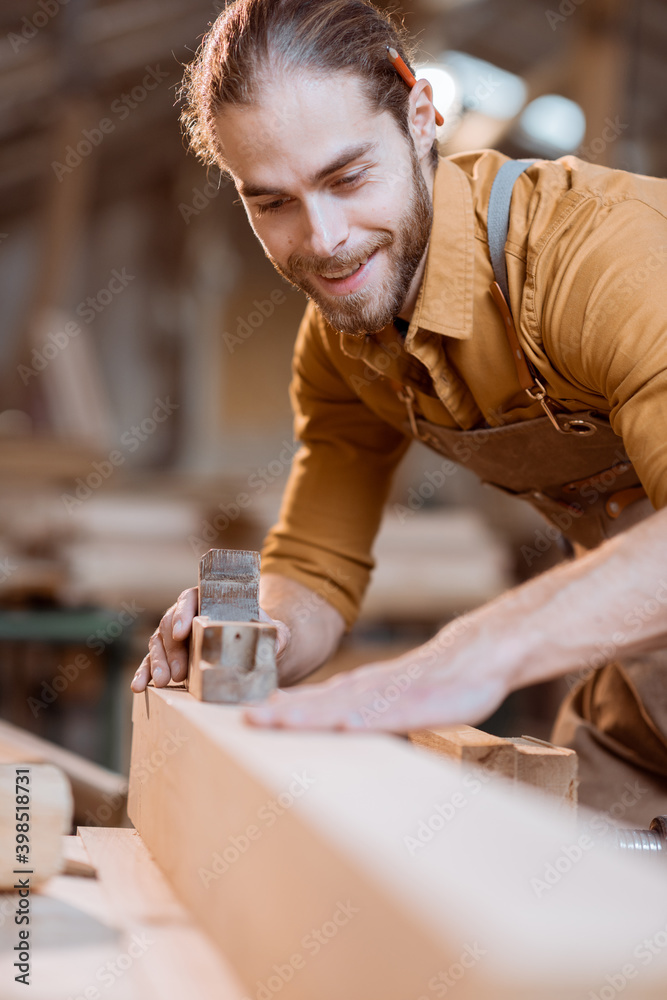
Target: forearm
x,y
315,627
611,602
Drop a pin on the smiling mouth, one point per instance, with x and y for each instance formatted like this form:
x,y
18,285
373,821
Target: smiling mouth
x,y
348,272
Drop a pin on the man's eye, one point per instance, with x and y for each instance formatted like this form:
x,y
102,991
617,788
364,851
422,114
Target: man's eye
x,y
271,206
350,180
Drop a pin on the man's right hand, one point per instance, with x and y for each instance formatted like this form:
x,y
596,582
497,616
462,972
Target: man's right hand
x,y
167,656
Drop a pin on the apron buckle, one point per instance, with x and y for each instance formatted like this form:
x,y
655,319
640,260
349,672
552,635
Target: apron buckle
x,y
583,428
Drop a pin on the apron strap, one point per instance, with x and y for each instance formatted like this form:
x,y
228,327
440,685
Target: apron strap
x,y
498,217
497,225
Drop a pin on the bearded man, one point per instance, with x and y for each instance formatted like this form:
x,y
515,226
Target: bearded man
x,y
551,386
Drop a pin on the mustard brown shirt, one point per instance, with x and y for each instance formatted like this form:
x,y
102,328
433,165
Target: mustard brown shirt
x,y
587,271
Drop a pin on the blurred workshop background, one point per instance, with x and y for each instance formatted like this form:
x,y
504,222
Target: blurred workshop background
x,y
145,341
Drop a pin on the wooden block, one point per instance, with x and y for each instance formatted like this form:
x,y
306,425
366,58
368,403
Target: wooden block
x,y
534,762
329,865
100,795
43,819
121,936
231,661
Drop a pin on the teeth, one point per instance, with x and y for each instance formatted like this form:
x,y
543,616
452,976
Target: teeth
x,y
348,272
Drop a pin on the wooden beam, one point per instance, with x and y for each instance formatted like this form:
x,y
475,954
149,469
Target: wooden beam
x,y
523,759
352,865
100,795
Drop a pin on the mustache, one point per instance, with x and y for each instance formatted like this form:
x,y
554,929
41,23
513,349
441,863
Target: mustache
x,y
346,258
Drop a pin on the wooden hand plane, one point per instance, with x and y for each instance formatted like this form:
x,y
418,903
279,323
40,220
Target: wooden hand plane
x,y
232,653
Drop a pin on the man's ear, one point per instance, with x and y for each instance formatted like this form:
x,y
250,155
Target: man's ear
x,y
421,117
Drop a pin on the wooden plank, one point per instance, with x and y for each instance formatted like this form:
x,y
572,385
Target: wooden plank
x,y
329,865
100,795
546,767
179,960
87,943
77,861
136,889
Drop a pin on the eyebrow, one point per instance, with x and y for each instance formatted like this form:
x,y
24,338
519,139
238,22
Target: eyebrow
x,y
345,157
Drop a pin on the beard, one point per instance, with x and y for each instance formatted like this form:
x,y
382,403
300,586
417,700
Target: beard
x,y
369,310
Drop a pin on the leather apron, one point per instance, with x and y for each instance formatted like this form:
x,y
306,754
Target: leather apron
x,y
584,484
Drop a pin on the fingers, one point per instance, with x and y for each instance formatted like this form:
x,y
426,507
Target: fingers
x,y
336,704
167,657
142,676
283,632
183,612
160,671
393,697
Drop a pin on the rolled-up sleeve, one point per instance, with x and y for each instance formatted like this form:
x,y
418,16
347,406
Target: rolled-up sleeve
x,y
605,330
338,483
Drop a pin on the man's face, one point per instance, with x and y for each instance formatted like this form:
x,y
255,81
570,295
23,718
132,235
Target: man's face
x,y
335,193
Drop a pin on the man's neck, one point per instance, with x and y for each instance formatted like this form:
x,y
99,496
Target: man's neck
x,y
413,291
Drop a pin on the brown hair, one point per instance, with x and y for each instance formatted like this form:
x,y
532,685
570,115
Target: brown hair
x,y
325,36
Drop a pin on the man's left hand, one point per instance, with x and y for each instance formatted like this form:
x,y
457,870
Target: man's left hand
x,y
447,681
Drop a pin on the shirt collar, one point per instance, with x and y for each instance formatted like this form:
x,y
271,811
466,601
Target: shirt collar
x,y
445,299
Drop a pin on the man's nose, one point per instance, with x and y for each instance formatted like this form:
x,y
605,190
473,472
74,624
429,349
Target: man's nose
x,y
326,229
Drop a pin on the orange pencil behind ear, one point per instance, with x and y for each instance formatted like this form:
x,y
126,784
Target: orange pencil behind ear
x,y
403,71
